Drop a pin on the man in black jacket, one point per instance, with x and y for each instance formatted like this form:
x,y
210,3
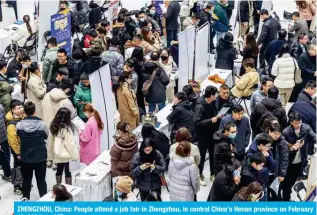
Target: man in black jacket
x,y
269,33
4,146
182,114
307,64
206,124
299,46
204,17
171,17
15,65
308,92
298,135
251,168
33,133
224,99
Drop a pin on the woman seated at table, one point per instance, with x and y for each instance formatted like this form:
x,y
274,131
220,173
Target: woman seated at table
x,y
24,32
246,84
122,151
61,194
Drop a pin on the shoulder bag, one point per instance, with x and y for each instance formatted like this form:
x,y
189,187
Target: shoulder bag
x,y
148,83
60,149
297,74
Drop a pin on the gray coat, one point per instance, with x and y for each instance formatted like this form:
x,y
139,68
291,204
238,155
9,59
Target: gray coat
x,y
48,61
257,97
300,26
183,178
147,180
3,130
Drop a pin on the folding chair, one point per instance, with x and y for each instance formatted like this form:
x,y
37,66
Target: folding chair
x,y
299,186
30,43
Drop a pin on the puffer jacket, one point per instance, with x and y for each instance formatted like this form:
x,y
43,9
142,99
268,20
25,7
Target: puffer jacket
x,y
245,84
14,68
284,71
270,28
222,146
3,129
183,178
115,60
69,146
36,90
186,5
5,93
83,94
52,102
72,74
226,55
308,12
157,92
171,70
48,61
297,50
148,180
121,154
280,155
13,138
194,152
220,14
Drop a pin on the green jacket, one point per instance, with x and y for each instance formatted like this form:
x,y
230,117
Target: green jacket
x,y
48,61
83,94
220,13
5,93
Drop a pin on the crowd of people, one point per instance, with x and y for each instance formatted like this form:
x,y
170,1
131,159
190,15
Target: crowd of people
x,y
246,154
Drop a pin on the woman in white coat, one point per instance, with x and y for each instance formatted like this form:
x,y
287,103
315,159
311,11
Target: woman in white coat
x,y
284,72
36,88
183,174
24,32
171,70
64,148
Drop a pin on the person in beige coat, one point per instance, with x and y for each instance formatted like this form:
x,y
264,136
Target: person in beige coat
x,y
245,85
307,10
63,147
36,88
128,107
284,72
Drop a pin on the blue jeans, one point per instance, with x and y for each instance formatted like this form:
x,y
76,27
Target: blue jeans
x,y
170,36
152,106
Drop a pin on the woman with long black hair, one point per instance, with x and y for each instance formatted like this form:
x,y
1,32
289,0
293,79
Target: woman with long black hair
x,y
63,148
61,194
147,168
24,32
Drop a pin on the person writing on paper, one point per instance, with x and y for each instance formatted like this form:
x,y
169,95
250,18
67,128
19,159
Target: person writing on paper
x,y
123,150
123,190
60,194
24,32
82,96
147,167
90,137
252,193
63,147
245,85
227,182
183,174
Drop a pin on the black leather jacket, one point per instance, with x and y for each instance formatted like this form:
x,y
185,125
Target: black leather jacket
x,y
269,31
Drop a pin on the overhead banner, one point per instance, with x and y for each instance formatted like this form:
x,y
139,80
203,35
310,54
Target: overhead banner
x,y
101,92
61,30
186,49
202,53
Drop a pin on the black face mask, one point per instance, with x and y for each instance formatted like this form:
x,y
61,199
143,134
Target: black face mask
x,y
164,58
61,9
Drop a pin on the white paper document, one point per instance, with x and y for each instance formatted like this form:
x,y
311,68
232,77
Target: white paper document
x,y
79,123
275,185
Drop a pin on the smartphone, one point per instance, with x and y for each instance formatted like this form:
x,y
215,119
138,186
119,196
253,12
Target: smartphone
x,y
236,173
300,141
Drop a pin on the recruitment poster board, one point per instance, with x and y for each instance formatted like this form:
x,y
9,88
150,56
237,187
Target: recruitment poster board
x,y
101,93
61,30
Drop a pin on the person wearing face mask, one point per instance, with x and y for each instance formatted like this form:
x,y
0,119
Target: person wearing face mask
x,y
154,15
242,139
189,21
24,74
307,64
82,96
64,9
252,193
36,88
298,135
224,144
227,182
147,166
262,144
206,124
123,190
143,17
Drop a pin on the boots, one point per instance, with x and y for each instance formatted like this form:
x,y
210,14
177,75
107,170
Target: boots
x,y
58,179
68,181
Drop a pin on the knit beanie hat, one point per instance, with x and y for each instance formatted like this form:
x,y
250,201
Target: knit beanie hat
x,y
84,76
124,184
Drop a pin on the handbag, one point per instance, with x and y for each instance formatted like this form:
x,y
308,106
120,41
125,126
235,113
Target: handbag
x,y
60,149
297,74
163,180
148,83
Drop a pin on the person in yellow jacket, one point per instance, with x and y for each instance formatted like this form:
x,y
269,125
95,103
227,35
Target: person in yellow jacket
x,y
12,118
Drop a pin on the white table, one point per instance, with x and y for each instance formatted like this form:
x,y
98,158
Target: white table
x,y
95,179
222,73
161,118
5,36
77,193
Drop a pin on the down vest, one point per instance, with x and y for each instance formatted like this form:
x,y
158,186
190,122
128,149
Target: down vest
x,y
284,70
183,178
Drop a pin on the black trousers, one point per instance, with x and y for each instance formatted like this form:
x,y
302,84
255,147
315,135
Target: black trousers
x,y
40,174
5,158
171,35
16,162
293,171
144,194
262,56
60,169
203,146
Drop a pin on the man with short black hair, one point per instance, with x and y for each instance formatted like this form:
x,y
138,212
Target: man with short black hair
x,y
206,124
299,46
307,93
49,59
15,65
299,26
242,140
62,72
191,95
129,46
307,64
33,133
224,99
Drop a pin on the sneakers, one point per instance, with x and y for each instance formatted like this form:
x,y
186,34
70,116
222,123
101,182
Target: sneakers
x,y
202,180
9,179
24,199
17,191
212,177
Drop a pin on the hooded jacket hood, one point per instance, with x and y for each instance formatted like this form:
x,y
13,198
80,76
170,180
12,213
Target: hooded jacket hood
x,y
184,104
31,124
57,94
126,143
181,162
224,44
271,104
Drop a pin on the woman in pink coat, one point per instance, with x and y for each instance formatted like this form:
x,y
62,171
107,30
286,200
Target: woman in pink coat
x,y
90,138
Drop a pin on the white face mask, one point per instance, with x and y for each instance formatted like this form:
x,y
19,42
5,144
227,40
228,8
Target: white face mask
x,y
24,66
142,19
